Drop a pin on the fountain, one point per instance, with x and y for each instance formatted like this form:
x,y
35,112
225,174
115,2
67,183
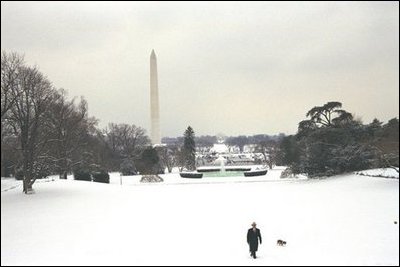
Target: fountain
x,y
222,164
229,171
223,171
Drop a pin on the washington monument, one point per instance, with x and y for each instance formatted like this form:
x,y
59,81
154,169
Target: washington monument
x,y
154,105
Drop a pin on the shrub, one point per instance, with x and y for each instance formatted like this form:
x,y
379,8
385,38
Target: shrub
x,y
82,175
287,173
101,177
148,162
151,179
19,175
127,167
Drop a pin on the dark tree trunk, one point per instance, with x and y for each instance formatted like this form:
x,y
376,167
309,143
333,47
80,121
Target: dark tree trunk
x,y
27,184
26,177
24,185
29,187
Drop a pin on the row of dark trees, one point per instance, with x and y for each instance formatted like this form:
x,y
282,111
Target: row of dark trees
x,y
44,132
238,141
41,130
331,141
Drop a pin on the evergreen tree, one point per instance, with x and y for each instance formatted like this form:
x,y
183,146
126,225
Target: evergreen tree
x,y
330,142
148,162
289,150
189,149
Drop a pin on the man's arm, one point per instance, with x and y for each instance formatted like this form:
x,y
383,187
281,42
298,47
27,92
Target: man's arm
x,y
259,236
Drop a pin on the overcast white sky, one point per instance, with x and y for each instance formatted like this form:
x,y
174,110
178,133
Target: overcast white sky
x,y
227,67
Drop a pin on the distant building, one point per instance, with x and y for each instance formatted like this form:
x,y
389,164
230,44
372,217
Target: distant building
x,y
219,148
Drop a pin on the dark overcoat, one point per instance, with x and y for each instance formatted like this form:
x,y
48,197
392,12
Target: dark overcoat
x,y
252,238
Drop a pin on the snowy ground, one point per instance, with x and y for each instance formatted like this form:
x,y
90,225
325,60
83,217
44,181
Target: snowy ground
x,y
343,220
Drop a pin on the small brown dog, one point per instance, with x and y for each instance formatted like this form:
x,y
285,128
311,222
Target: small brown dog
x,y
281,243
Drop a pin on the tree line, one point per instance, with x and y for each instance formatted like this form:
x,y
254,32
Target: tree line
x,y
239,141
331,141
45,132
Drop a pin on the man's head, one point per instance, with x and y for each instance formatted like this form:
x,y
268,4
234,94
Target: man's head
x,y
254,224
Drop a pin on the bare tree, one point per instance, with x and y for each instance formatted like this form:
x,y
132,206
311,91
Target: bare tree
x,y
269,151
11,64
34,94
167,155
385,142
69,125
126,141
180,158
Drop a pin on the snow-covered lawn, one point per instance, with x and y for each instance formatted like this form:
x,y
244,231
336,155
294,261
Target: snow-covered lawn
x,y
343,220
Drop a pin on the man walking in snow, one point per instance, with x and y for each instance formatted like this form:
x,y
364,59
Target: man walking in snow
x,y
253,234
